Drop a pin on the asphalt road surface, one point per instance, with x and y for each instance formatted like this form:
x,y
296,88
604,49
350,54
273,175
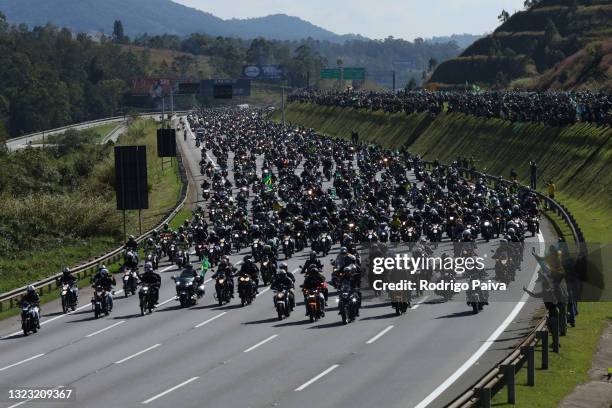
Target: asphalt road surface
x,y
232,356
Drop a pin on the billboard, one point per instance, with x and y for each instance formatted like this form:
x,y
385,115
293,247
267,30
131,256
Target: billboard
x,y
153,87
220,88
263,72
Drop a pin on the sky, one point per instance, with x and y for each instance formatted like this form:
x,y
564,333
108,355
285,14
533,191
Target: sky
x,y
375,19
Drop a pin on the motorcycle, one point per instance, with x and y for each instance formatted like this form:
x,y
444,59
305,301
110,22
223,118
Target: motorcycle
x,y
186,291
222,290
181,258
282,303
400,302
147,300
267,271
69,297
29,318
487,230
435,233
533,225
476,299
348,304
100,301
246,290
504,271
315,303
130,281
299,241
288,247
153,258
257,250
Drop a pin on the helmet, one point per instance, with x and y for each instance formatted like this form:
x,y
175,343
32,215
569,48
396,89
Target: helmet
x,y
102,267
103,271
467,233
343,250
247,259
511,231
313,255
150,241
131,238
66,271
283,266
189,265
30,289
148,266
281,272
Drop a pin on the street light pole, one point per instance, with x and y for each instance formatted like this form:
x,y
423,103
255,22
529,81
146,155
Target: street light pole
x,y
283,103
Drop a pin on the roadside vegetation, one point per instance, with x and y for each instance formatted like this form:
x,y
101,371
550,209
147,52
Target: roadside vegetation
x,y
57,205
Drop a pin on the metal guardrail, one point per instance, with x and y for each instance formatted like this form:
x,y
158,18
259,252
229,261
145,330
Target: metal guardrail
x,y
92,123
503,375
9,299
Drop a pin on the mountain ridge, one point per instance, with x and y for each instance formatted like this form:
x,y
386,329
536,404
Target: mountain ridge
x,y
159,17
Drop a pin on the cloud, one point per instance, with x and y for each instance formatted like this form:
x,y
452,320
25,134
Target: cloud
x,y
374,18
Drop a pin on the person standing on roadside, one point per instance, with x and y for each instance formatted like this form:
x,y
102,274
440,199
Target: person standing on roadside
x,y
533,170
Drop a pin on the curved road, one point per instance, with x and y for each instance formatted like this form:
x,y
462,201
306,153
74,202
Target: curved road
x,y
210,356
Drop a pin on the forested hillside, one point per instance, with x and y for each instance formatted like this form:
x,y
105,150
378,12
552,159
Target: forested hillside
x,y
561,44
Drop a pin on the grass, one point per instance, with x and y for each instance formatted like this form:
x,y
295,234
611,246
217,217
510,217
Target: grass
x,y
164,192
578,158
98,133
566,369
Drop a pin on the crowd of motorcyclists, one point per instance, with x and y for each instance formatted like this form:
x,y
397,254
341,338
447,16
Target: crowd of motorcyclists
x,y
270,191
553,108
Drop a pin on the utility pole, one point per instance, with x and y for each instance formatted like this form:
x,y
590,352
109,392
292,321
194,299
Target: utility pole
x,y
393,80
171,100
163,112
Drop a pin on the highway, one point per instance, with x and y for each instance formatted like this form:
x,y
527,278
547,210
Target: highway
x,y
230,356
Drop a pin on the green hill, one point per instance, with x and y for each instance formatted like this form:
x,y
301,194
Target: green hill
x,y
560,44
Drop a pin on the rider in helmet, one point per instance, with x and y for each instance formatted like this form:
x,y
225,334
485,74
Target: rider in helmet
x,y
131,244
151,278
312,261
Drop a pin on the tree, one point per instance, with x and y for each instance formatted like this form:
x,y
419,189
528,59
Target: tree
x,y
118,33
503,16
433,63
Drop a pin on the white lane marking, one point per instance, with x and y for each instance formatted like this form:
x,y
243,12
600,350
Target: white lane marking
x,y
263,291
215,165
197,326
167,268
105,329
261,343
294,271
169,390
419,303
123,360
22,361
324,373
166,301
474,358
379,335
